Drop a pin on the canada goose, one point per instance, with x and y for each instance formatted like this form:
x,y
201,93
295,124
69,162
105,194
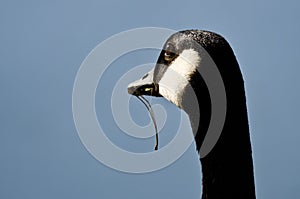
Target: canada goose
x,y
228,168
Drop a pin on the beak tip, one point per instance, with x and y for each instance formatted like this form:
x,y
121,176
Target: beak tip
x,y
131,88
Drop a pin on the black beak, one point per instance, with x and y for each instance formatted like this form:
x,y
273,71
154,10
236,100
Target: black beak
x,y
144,89
144,86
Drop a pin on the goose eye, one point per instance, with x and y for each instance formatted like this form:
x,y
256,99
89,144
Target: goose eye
x,y
169,56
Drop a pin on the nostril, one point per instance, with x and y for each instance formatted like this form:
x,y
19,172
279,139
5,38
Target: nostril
x,y
145,76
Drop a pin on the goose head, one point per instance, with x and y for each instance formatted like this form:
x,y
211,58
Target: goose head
x,y
175,70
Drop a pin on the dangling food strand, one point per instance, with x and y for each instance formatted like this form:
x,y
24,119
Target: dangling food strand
x,y
149,108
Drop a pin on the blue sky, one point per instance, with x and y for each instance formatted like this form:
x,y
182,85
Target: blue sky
x,y
42,47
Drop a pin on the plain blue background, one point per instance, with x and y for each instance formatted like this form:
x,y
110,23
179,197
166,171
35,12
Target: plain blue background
x,y
42,44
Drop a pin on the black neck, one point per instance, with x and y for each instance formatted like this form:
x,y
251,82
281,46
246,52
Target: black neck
x,y
228,168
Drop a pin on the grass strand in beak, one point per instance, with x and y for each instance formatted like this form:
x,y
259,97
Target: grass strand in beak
x,y
149,108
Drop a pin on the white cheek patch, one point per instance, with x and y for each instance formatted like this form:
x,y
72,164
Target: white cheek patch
x,y
178,75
